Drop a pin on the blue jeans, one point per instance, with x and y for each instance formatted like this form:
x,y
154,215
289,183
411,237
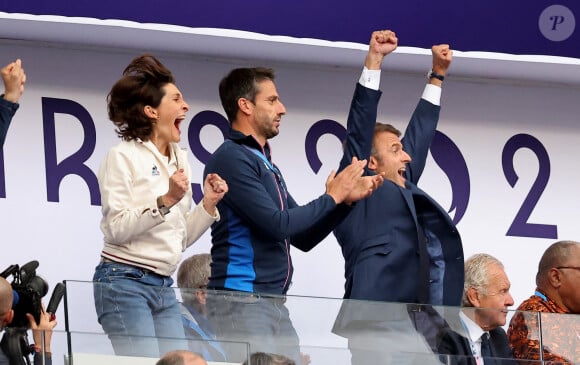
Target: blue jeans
x,y
138,310
262,321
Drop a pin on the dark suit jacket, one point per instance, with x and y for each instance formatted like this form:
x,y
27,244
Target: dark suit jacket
x,y
385,259
452,343
7,110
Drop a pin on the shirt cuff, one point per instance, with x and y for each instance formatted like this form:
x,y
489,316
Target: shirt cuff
x,y
432,94
370,78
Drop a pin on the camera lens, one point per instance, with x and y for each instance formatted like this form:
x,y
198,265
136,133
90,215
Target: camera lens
x,y
38,285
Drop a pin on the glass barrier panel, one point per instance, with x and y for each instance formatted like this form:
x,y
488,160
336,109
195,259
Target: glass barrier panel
x,y
557,334
80,313
340,356
40,348
287,325
95,348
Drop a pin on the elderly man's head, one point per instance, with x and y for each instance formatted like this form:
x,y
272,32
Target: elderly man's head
x,y
192,279
486,288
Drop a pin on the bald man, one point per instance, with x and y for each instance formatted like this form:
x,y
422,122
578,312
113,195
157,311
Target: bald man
x,y
46,325
181,357
6,298
557,296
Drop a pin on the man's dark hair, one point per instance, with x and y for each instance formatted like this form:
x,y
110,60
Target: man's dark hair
x,y
241,83
556,255
381,128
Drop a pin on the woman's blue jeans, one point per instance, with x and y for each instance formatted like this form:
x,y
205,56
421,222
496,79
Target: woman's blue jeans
x,y
138,310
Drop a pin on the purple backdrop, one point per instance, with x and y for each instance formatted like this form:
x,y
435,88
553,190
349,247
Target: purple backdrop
x,y
538,27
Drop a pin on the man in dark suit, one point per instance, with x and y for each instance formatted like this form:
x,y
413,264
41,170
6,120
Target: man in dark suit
x,y
399,245
475,336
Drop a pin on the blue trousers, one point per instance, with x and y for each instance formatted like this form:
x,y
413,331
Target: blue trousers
x,y
261,321
138,310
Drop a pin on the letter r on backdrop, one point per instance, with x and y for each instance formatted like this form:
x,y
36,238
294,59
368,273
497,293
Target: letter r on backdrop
x,y
73,164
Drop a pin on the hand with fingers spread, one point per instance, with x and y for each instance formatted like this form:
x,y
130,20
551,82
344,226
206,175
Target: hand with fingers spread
x,y
214,188
339,186
364,187
14,78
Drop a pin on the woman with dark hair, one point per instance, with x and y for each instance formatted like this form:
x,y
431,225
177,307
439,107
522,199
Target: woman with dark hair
x,y
147,217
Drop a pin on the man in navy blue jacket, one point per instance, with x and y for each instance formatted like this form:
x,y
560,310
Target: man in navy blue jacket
x,y
260,220
14,78
399,245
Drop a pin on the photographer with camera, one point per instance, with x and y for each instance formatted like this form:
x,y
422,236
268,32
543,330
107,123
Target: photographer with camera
x,y
21,309
45,325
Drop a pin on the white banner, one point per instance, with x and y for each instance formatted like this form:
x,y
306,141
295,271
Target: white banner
x,y
528,132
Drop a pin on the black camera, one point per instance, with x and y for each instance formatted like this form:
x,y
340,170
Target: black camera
x,y
28,291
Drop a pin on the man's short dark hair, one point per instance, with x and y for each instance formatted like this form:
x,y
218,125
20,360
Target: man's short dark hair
x,y
382,128
554,256
241,83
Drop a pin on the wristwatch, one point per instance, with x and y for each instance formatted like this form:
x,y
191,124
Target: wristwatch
x,y
161,206
432,74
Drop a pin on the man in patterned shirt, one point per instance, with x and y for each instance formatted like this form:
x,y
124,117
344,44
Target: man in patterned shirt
x,y
558,291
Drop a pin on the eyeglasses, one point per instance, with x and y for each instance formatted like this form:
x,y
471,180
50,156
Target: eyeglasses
x,y
568,267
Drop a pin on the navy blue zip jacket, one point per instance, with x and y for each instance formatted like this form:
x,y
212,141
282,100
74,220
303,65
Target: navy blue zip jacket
x,y
260,220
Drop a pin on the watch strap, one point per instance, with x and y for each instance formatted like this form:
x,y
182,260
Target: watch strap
x,y
163,209
432,74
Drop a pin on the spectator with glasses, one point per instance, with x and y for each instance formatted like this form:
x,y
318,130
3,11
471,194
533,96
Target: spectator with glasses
x,y
557,291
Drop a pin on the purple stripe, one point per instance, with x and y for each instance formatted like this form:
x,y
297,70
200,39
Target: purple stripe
x,y
492,25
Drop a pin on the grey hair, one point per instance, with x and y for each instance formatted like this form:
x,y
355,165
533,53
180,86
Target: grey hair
x,y
556,255
193,273
477,274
